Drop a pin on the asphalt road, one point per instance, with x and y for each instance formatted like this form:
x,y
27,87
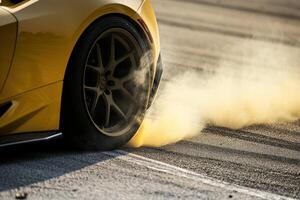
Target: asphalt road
x,y
259,162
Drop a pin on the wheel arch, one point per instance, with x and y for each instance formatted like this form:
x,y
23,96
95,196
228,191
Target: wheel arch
x,y
129,15
107,11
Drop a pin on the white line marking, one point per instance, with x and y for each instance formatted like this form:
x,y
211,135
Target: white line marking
x,y
177,171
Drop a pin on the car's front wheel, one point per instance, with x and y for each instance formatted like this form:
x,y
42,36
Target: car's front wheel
x,y
107,86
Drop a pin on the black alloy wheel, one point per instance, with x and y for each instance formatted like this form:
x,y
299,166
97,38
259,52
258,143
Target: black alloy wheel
x,y
107,85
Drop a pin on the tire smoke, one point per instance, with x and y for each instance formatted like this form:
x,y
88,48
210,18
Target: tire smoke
x,y
263,89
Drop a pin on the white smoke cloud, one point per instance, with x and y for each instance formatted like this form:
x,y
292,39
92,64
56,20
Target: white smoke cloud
x,y
264,89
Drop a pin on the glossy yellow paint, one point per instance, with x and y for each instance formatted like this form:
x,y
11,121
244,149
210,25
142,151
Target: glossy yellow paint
x,y
47,33
146,13
37,110
8,34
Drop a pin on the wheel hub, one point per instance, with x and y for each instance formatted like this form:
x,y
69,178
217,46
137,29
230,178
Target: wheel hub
x,y
102,83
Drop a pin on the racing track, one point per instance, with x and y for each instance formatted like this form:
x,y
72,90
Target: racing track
x,y
194,36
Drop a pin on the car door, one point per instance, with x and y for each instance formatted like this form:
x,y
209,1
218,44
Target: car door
x,y
8,34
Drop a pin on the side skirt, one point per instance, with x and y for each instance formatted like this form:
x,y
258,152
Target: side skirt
x,y
24,138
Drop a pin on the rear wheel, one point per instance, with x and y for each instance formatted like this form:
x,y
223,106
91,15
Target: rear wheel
x,y
107,86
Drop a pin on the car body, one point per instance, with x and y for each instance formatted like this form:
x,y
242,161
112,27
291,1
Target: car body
x,y
37,39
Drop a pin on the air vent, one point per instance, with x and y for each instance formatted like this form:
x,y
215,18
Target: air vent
x,y
9,3
4,108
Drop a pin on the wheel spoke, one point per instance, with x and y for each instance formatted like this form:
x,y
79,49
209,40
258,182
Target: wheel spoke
x,y
94,68
126,56
92,89
119,111
99,57
112,105
107,102
93,108
129,95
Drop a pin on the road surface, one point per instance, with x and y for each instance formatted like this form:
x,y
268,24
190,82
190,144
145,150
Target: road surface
x,y
260,162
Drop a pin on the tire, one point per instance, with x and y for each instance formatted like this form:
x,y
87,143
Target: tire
x,y
104,97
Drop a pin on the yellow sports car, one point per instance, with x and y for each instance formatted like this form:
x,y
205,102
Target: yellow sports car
x,y
84,69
